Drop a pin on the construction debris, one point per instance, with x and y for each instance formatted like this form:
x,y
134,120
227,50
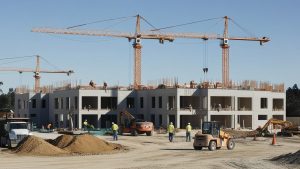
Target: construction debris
x,y
241,133
65,145
290,158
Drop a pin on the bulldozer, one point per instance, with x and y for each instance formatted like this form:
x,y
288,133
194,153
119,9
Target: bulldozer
x,y
212,137
129,124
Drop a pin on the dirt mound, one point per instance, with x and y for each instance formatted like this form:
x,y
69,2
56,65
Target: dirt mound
x,y
32,145
65,144
86,144
290,158
62,141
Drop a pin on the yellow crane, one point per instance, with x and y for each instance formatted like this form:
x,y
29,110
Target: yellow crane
x,y
161,36
36,72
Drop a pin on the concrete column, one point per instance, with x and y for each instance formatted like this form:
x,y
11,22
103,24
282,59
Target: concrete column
x,y
233,103
79,120
233,121
177,120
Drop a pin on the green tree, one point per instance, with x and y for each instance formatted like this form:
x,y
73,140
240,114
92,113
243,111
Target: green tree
x,y
293,101
7,101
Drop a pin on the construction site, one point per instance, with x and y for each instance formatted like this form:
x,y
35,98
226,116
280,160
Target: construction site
x,y
166,123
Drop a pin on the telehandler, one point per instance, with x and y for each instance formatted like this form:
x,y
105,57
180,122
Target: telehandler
x,y
212,137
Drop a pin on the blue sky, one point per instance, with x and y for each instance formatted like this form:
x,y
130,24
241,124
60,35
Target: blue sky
x,y
111,59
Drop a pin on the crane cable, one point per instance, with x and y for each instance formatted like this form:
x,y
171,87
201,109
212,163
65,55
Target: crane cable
x,y
113,25
242,28
184,24
19,57
9,58
54,66
123,19
98,21
148,23
205,68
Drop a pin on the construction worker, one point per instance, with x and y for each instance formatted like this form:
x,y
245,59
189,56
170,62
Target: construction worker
x,y
171,131
85,124
188,129
115,128
92,84
49,127
105,85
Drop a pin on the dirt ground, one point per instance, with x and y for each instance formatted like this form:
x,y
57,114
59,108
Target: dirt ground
x,y
157,153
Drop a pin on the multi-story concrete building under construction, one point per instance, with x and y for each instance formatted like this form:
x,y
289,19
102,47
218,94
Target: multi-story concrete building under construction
x,y
240,106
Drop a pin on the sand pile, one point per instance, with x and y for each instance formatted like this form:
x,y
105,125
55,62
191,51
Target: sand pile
x,y
62,141
290,158
85,144
65,144
32,145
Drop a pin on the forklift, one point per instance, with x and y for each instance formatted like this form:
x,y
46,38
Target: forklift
x,y
212,137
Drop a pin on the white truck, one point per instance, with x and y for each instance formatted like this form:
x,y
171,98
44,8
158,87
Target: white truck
x,y
13,130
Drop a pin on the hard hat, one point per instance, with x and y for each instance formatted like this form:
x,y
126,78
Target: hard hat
x,y
189,123
112,123
171,123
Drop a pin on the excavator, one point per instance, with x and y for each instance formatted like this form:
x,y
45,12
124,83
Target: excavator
x,y
129,124
212,137
287,128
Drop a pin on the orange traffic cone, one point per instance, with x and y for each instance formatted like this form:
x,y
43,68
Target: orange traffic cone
x,y
274,139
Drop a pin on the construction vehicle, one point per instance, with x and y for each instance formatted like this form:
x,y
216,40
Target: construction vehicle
x,y
13,130
36,72
161,37
287,128
129,124
212,137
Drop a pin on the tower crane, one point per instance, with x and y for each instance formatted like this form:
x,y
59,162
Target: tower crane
x,y
161,36
36,72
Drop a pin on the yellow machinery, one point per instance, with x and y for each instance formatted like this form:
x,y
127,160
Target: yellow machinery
x,y
212,137
287,127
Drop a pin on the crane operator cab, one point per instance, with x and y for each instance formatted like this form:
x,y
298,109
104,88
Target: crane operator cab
x,y
212,137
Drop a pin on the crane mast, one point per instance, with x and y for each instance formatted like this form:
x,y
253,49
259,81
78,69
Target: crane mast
x,y
37,77
225,55
137,55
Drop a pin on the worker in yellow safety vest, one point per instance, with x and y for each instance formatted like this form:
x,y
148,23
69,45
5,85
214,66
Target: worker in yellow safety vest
x,y
188,129
114,129
171,131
